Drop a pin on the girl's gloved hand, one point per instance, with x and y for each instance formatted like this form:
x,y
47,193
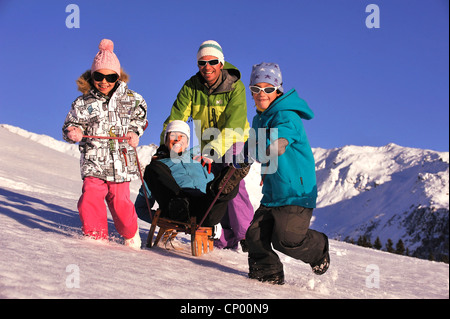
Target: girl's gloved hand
x,y
133,139
74,133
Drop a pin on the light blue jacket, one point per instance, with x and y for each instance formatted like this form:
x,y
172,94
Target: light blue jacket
x,y
187,172
294,181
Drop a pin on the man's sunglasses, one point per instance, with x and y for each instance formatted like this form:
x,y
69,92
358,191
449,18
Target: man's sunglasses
x,y
210,62
267,90
111,78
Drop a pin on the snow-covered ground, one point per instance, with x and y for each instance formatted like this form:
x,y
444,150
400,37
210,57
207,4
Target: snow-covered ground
x,y
44,255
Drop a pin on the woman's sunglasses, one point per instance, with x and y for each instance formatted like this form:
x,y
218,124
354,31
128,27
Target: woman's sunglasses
x,y
210,62
111,78
267,90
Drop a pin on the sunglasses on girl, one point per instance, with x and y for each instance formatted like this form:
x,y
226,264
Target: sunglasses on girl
x,y
267,90
111,78
210,62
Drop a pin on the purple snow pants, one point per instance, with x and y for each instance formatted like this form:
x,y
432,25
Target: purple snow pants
x,y
236,220
239,211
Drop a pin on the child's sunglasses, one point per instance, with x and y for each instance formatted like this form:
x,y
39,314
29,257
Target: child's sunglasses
x,y
267,90
111,78
210,62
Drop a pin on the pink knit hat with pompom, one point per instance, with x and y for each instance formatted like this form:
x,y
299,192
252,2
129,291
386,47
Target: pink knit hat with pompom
x,y
106,58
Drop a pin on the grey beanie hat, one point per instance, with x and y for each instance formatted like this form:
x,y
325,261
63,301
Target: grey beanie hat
x,y
268,73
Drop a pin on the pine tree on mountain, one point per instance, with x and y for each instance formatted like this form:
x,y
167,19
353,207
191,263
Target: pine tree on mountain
x,y
368,243
377,244
360,241
349,240
389,246
364,242
400,247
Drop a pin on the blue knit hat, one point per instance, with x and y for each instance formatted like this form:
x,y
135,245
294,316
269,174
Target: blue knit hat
x,y
268,73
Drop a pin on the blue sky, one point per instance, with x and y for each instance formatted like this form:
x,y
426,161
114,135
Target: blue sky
x,y
367,86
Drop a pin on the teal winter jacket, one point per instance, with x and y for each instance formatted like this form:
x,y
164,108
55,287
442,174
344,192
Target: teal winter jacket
x,y
187,172
294,180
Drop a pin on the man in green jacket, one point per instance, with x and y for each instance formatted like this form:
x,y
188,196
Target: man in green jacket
x,y
215,99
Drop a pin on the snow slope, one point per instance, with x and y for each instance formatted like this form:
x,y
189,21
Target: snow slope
x,y
43,254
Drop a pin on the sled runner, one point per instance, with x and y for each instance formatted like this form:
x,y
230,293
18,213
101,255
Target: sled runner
x,y
201,237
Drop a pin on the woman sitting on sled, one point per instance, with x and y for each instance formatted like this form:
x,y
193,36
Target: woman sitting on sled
x,y
183,186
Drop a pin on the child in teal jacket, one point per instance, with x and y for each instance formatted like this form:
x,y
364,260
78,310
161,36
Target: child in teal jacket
x,y
289,181
294,180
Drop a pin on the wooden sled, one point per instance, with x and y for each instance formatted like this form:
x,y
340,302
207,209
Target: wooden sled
x,y
201,237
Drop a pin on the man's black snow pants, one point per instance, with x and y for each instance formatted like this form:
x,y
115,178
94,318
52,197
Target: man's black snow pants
x,y
164,188
287,229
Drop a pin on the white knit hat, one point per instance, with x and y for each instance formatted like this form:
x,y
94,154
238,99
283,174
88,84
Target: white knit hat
x,y
212,48
178,126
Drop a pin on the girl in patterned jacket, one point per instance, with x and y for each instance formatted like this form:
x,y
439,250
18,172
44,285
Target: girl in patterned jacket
x,y
107,108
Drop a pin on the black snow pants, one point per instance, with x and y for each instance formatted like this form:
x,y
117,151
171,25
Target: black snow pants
x,y
164,188
287,229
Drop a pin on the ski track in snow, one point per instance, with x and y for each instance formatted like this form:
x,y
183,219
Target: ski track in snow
x,y
42,248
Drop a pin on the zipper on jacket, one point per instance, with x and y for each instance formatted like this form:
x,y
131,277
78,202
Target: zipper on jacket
x,y
214,118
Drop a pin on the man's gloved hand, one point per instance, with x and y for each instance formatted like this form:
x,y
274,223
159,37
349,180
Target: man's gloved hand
x,y
240,160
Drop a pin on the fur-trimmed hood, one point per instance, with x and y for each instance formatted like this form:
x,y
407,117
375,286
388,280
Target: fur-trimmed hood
x,y
84,82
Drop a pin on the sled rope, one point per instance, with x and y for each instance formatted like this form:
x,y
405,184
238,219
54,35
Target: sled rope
x,y
108,137
230,173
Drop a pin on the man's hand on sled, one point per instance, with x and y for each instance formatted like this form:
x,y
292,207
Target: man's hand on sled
x,y
240,160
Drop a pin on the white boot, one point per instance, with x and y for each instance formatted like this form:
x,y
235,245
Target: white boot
x,y
134,242
217,231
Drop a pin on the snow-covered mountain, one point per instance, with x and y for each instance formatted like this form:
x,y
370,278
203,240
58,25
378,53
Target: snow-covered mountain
x,y
43,253
390,192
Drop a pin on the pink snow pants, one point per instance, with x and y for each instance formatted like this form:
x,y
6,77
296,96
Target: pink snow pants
x,y
92,208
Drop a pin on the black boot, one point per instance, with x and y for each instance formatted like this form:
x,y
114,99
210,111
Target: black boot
x,y
274,279
320,267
